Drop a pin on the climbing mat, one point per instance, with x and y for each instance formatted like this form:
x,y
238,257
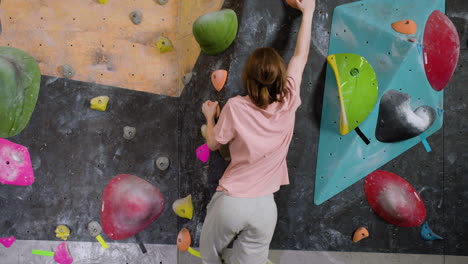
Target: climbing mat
x,y
102,45
399,60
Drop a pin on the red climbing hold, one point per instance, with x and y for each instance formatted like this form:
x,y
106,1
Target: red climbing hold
x,y
441,50
394,199
129,205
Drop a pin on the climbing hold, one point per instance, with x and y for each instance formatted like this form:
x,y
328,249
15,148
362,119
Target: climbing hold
x,y
441,50
129,132
215,31
427,234
164,44
136,17
183,207
357,88
394,199
20,79
184,240
99,103
61,255
407,27
162,163
203,153
225,152
7,241
360,234
15,164
412,40
103,1
162,2
203,131
94,228
67,71
187,78
129,205
62,232
397,122
292,3
218,79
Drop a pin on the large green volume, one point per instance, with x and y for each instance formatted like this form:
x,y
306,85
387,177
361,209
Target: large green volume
x,y
20,79
216,31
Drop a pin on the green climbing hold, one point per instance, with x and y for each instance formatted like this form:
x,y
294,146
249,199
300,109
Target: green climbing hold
x,y
357,88
216,31
20,79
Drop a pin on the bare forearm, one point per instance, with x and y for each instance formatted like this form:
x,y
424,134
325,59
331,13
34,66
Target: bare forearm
x,y
210,140
304,36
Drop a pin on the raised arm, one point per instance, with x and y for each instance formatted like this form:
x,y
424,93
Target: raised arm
x,y
298,61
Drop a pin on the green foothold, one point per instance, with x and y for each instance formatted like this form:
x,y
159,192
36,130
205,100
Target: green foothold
x,y
216,31
164,44
43,253
136,17
357,88
162,2
20,79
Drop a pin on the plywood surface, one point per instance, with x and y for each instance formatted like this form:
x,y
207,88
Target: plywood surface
x,y
102,44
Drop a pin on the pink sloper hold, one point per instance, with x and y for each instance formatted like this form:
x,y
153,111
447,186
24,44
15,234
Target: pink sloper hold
x,y
203,153
441,50
61,254
7,241
129,205
394,199
15,164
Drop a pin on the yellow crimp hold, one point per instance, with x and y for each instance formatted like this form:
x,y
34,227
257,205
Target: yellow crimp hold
x,y
194,252
103,1
99,103
164,44
62,232
102,242
344,127
183,207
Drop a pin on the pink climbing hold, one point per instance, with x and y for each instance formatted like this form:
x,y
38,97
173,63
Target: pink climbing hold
x,y
61,254
15,164
203,153
394,199
7,241
129,205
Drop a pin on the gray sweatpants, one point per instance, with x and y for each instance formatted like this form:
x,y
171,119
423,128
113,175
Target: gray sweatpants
x,y
252,220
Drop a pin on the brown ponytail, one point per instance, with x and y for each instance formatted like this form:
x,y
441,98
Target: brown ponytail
x,y
264,77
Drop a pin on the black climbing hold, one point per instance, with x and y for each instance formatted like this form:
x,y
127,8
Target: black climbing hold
x,y
398,122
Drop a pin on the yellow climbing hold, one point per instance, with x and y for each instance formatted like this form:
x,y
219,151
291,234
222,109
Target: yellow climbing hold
x,y
62,232
183,207
164,44
99,103
103,1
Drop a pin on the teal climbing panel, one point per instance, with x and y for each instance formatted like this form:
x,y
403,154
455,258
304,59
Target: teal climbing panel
x,y
364,28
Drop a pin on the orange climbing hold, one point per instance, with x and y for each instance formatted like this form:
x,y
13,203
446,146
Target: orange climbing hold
x,y
184,240
360,234
292,3
408,27
218,78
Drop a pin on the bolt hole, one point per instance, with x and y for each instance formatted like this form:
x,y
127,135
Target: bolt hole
x,y
7,162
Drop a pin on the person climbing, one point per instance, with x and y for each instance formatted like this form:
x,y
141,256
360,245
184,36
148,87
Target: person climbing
x,y
258,128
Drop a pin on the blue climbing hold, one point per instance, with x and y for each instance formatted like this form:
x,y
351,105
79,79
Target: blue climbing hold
x,y
427,234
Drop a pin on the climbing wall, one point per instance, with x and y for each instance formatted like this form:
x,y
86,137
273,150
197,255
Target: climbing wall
x,y
76,151
102,45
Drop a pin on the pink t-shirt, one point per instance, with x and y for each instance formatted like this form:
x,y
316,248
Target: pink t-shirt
x,y
258,141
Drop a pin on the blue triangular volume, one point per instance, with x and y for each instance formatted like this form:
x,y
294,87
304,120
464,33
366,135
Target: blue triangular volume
x,y
364,28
